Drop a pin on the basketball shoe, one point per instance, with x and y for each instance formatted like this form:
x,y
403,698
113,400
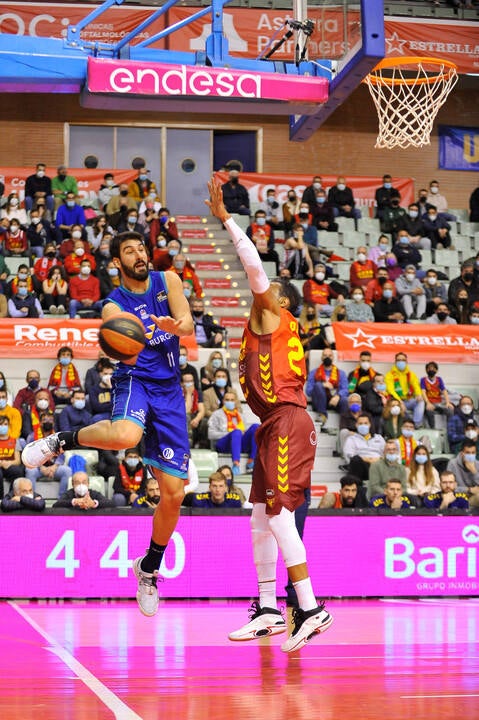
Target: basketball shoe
x,y
306,626
147,594
41,451
263,622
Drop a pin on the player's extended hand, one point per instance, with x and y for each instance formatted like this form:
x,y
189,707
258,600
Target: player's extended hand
x,y
215,203
166,323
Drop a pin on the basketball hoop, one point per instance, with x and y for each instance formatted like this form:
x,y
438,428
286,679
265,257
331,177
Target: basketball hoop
x,y
408,92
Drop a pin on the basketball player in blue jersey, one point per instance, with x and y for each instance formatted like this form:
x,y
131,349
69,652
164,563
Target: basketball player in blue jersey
x,y
147,398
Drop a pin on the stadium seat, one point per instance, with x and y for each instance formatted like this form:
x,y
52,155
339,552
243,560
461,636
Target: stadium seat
x,y
436,439
90,456
206,462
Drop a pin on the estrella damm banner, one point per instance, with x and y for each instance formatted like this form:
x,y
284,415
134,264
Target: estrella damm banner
x,y
458,148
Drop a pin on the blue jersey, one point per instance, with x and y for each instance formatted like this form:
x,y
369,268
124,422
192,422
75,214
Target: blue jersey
x,y
159,358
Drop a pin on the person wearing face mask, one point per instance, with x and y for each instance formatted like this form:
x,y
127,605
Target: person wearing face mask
x,y
235,195
412,222
309,194
213,397
392,216
108,277
405,252
130,223
195,410
38,186
75,237
130,479
100,396
227,433
360,380
423,478
435,394
75,415
411,293
461,307
297,258
39,233
54,470
374,288
207,372
362,270
118,205
465,468
81,497
436,292
348,419
374,401
378,253
465,281
68,214
15,242
22,497
187,367
13,210
363,448
437,228
394,413
207,332
384,194
64,377
261,234
42,402
407,441
441,316
14,416
402,384
23,274
24,303
85,292
290,209
388,467
163,229
55,291
456,424
327,386
186,273
25,397
439,201
272,209
323,213
142,186
108,189
10,461
340,196
74,260
357,310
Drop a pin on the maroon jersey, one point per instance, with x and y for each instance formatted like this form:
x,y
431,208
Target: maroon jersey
x,y
272,369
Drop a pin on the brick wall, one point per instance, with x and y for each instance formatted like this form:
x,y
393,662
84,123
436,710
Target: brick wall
x,y
32,129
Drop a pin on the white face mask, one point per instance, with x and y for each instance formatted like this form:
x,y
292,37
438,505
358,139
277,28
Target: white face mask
x,y
434,190
395,410
81,490
341,186
432,280
317,185
29,495
42,404
410,277
361,257
85,270
76,234
357,297
319,276
80,251
365,364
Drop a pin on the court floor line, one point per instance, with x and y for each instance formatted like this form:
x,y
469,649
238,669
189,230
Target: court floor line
x,y
425,697
120,710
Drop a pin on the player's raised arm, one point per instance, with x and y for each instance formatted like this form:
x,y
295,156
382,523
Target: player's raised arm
x,y
265,300
181,322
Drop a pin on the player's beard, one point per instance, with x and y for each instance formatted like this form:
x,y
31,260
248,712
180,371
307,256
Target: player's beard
x,y
135,274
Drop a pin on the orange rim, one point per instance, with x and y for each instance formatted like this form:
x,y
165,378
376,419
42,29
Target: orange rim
x,y
448,68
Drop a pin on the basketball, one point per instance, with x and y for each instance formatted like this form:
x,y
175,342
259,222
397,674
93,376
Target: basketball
x,y
122,336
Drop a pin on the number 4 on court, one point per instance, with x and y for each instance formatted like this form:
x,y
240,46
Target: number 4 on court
x,y
63,555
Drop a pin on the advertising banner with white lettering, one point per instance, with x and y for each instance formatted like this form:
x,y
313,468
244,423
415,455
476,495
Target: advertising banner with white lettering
x,y
458,148
89,181
363,187
448,343
250,31
42,338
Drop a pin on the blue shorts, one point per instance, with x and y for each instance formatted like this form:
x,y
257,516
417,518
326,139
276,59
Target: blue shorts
x,y
158,408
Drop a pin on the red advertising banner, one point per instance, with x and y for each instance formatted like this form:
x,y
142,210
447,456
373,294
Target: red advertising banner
x,y
89,181
43,338
448,343
363,187
250,30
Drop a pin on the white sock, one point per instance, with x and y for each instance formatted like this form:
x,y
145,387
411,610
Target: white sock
x,y
267,588
304,591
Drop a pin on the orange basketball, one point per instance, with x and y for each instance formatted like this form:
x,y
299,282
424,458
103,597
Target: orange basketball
x,y
122,337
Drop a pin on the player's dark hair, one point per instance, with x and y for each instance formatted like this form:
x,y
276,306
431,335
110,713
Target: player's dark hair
x,y
289,291
347,480
117,240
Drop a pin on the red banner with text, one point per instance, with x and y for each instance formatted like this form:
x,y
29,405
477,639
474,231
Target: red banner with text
x,y
250,31
448,343
363,187
43,338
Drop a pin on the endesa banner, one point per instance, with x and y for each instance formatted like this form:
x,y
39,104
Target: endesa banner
x,y
363,187
250,31
448,343
458,148
79,557
42,338
89,181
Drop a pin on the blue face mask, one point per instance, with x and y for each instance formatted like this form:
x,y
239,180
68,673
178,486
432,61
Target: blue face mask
x,y
229,404
404,240
22,291
131,462
65,361
320,200
470,457
261,221
381,387
401,365
172,252
70,203
387,294
388,185
407,433
216,362
221,382
355,407
3,430
78,404
363,429
3,403
143,176
183,360
421,459
392,457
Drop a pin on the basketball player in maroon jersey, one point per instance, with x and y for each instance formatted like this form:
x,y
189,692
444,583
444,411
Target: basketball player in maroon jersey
x,y
272,375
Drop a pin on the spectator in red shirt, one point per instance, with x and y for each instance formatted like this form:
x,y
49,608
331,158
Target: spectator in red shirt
x,y
66,246
85,291
74,261
319,292
374,288
43,265
362,270
15,242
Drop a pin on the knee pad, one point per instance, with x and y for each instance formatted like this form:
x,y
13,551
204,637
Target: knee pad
x,y
284,529
265,547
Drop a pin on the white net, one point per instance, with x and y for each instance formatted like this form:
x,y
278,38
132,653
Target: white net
x,y
408,93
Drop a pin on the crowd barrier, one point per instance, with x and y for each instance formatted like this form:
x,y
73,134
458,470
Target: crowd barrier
x,y
360,555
